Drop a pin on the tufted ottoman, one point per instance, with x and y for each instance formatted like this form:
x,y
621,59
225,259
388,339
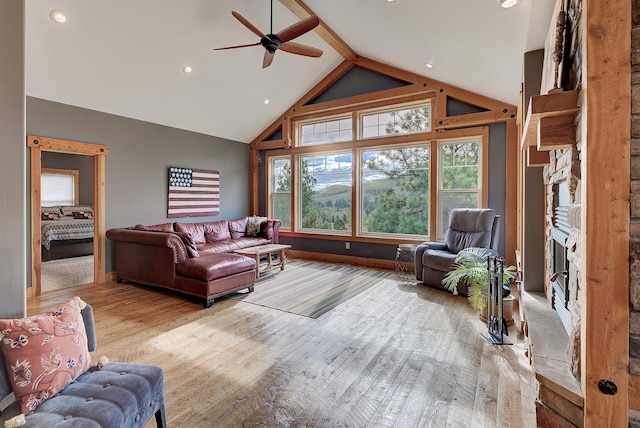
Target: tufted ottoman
x,y
119,395
211,276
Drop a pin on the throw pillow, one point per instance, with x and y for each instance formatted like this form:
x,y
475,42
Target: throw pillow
x,y
49,216
44,353
82,215
68,210
253,225
189,243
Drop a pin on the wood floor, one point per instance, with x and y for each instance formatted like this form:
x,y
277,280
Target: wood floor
x,y
396,355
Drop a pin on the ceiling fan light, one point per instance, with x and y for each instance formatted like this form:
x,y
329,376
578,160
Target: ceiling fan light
x,y
509,3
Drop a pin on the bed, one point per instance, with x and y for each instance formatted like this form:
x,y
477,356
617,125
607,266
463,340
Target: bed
x,y
67,231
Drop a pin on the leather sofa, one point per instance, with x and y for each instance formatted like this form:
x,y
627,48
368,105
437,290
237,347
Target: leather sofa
x,y
196,259
468,228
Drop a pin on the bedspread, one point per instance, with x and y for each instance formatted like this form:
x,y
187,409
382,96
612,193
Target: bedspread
x,y
62,230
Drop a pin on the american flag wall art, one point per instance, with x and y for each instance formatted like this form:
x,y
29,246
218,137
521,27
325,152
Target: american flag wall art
x,y
193,192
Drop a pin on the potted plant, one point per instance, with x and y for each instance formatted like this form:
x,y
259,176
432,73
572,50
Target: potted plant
x,y
470,266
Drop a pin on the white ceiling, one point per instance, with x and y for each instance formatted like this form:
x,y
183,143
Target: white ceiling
x,y
125,57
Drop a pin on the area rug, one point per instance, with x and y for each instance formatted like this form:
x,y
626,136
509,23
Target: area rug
x,y
309,288
64,273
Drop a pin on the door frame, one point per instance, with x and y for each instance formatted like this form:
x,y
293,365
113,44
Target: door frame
x,y
99,152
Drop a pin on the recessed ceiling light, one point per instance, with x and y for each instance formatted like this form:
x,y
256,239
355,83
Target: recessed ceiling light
x,y
58,17
390,1
509,3
187,69
428,64
266,101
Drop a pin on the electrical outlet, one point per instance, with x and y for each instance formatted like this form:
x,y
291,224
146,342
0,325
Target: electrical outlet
x,y
347,245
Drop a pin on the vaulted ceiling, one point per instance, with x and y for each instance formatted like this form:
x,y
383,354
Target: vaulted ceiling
x,y
127,57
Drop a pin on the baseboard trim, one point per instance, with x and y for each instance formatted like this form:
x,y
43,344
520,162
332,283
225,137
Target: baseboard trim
x,y
335,258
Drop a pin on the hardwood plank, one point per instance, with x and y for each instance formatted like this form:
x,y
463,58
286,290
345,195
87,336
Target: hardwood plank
x,y
397,354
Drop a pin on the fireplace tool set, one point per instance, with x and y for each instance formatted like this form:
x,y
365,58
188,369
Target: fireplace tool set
x,y
496,324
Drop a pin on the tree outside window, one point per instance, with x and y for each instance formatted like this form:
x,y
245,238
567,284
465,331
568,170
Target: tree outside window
x,y
459,178
325,191
395,190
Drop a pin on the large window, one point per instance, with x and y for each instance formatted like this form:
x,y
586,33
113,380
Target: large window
x,y
460,177
402,186
325,191
395,190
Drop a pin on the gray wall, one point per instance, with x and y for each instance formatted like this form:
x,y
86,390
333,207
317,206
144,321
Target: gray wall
x,y
139,156
13,213
83,164
534,191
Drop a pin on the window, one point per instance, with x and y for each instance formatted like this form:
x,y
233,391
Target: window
x,y
280,173
395,190
327,131
399,121
386,188
325,192
58,187
459,171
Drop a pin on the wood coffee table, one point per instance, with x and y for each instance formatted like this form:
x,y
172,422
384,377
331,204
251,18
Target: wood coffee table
x,y
267,250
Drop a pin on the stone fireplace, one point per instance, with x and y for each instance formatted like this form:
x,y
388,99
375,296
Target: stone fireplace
x,y
562,235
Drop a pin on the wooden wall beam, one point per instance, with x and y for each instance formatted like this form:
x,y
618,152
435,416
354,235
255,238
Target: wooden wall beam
x,y
65,146
99,202
302,11
404,94
271,145
254,182
474,119
511,193
605,170
36,236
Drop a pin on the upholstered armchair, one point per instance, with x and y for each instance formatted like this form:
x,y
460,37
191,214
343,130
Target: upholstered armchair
x,y
468,227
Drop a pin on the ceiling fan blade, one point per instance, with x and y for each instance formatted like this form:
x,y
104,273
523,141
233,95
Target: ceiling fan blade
x,y
298,29
244,21
235,47
268,59
300,49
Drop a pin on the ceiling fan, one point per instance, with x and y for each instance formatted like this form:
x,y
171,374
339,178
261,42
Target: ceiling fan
x,y
281,40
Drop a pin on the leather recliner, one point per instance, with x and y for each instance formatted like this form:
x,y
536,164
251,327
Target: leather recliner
x,y
468,227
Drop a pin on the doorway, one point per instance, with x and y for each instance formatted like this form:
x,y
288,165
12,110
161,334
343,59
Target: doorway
x,y
99,153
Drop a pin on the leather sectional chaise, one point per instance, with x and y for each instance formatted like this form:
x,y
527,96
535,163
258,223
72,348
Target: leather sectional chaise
x,y
196,259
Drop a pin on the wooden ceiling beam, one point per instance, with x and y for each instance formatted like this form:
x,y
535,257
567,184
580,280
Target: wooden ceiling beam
x,y
302,11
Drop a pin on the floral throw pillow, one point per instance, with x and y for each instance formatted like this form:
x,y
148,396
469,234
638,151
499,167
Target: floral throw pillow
x,y
253,225
44,353
79,215
50,216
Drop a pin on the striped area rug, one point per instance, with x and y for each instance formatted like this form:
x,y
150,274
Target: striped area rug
x,y
310,288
